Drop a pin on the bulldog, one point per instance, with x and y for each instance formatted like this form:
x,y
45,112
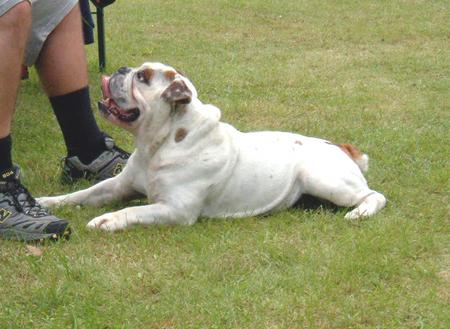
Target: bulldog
x,y
189,164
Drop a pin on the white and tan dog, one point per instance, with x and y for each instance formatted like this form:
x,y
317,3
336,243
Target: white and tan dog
x,y
191,165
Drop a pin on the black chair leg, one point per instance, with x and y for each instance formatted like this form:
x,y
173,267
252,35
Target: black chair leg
x,y
101,39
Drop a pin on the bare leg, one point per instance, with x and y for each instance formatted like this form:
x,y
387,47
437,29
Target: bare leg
x,y
14,29
62,68
62,63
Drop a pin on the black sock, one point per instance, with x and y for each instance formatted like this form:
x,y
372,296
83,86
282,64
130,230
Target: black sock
x,y
5,155
81,134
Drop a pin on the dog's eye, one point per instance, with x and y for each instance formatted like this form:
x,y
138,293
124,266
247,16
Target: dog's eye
x,y
140,76
144,76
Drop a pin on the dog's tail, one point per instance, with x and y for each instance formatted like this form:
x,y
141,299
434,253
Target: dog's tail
x,y
361,159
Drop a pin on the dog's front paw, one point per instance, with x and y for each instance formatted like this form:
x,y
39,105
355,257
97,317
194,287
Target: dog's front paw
x,y
49,201
108,222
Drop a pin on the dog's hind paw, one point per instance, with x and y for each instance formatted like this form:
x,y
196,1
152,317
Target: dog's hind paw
x,y
369,206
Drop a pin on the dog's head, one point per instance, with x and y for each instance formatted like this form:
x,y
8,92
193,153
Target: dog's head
x,y
132,95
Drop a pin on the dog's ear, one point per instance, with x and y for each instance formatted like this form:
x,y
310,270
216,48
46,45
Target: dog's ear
x,y
177,93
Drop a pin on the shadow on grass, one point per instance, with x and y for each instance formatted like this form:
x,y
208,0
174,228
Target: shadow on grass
x,y
309,202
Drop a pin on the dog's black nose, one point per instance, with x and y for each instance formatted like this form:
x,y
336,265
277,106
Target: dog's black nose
x,y
123,70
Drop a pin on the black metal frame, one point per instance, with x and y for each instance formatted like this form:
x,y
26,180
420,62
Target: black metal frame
x,y
100,38
100,5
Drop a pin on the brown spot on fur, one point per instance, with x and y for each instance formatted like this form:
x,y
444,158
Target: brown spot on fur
x,y
103,221
298,142
180,134
148,74
170,75
351,151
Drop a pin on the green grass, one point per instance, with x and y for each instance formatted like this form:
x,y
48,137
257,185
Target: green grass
x,y
373,73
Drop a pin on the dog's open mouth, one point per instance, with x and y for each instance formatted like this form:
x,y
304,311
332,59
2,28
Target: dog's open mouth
x,y
109,107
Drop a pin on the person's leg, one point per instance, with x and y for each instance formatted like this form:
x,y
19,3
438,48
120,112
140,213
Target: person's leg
x,y
62,64
20,216
56,47
62,68
14,28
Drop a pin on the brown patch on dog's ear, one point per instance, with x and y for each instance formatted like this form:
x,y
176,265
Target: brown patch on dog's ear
x,y
177,93
170,75
351,151
180,134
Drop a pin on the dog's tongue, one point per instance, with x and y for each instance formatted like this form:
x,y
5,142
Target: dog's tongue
x,y
105,87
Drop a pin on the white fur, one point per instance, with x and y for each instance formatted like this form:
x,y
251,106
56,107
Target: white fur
x,y
216,170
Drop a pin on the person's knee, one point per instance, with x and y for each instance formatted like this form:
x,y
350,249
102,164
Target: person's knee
x,y
17,20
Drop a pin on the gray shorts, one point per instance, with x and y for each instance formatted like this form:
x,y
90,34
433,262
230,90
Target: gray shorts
x,y
46,15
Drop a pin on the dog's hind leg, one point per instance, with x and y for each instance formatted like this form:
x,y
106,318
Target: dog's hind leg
x,y
344,188
369,206
367,201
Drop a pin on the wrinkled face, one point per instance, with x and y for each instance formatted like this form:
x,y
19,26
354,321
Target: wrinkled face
x,y
131,94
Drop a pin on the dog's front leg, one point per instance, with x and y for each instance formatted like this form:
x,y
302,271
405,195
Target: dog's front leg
x,y
116,188
157,213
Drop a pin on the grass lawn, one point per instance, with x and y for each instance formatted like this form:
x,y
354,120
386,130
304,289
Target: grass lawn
x,y
373,73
